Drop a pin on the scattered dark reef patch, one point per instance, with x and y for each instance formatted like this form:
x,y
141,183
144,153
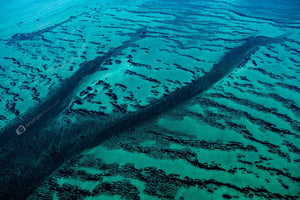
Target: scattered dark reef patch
x,y
34,144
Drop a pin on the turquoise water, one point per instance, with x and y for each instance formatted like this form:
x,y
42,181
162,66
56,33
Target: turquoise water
x,y
147,99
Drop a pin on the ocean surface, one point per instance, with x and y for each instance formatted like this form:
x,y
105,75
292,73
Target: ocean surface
x,y
149,99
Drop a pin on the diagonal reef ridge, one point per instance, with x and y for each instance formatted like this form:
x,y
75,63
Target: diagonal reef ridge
x,y
23,169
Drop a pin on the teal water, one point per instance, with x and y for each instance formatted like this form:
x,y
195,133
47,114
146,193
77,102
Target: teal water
x,y
148,99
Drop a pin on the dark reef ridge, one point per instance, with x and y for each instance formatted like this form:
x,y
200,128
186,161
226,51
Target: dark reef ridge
x,y
19,171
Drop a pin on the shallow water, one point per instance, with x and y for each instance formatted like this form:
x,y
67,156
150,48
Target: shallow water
x,y
146,99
